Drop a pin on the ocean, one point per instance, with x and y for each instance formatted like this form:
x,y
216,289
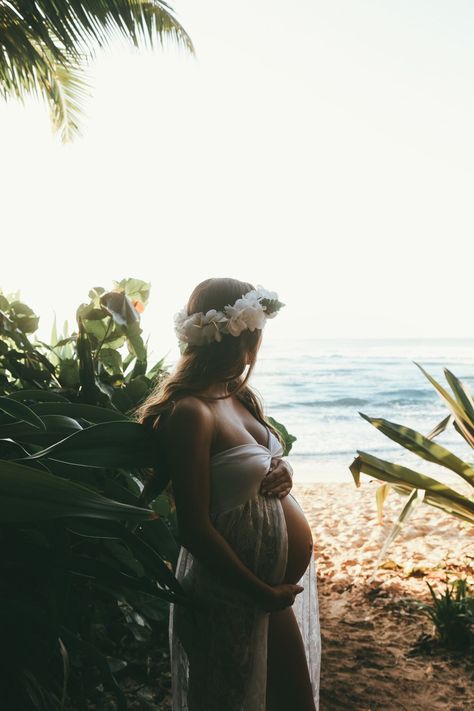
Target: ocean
x,y
316,388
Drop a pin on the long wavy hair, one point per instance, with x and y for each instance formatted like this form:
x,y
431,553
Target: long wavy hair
x,y
216,362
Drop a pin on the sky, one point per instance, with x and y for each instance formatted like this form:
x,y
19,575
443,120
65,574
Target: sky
x,y
322,149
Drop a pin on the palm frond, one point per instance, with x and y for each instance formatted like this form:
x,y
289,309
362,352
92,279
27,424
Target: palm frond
x,y
44,44
79,25
64,87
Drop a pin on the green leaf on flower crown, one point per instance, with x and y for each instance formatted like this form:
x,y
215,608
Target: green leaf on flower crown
x,y
272,305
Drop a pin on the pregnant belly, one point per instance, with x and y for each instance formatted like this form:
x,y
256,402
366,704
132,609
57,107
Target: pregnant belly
x,y
300,540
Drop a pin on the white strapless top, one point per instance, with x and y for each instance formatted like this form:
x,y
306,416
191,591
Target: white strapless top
x,y
236,473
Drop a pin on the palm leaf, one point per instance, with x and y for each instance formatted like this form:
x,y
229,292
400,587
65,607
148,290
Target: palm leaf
x,y
436,493
461,393
380,496
64,87
466,427
78,24
44,44
423,447
418,486
440,427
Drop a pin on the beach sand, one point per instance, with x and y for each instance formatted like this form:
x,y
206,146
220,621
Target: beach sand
x,y
369,627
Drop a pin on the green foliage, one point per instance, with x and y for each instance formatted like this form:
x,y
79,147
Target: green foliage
x,y
103,362
417,486
452,614
72,533
287,438
43,47
80,548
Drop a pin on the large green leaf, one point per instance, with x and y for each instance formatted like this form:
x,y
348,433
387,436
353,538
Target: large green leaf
x,y
436,493
108,444
120,307
152,560
461,418
422,446
136,289
92,413
27,494
13,450
128,397
440,427
61,424
461,394
24,433
112,577
21,412
111,359
160,538
38,396
147,550
288,438
135,340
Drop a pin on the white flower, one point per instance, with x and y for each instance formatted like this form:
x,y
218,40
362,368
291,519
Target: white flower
x,y
251,296
199,329
245,314
179,320
211,324
265,294
248,313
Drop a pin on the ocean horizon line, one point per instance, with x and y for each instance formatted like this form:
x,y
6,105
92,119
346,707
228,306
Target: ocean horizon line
x,y
371,338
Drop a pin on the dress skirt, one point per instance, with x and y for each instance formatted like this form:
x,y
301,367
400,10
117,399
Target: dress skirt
x,y
219,646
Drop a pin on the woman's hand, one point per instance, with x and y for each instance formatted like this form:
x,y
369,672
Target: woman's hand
x,y
280,596
278,481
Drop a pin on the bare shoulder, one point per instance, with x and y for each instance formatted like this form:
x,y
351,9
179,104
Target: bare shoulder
x,y
190,417
192,408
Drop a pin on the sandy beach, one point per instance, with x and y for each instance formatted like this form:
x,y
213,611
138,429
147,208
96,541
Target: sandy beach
x,y
369,626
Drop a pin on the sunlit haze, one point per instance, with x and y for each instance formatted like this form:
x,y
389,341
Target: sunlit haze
x,y
321,149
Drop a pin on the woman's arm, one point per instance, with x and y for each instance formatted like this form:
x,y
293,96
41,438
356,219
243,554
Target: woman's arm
x,y
187,442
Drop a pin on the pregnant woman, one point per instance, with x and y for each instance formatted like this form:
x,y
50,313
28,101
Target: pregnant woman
x,y
251,640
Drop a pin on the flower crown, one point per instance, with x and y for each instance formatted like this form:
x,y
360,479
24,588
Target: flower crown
x,y
249,312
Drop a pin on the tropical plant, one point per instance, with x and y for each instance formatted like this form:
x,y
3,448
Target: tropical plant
x,y
287,438
452,614
87,365
82,554
44,47
77,549
417,486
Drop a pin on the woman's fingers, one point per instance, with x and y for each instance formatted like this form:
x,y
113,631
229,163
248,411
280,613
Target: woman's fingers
x,y
274,485
276,488
278,481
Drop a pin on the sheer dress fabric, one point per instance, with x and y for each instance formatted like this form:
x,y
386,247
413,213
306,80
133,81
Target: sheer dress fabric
x,y
219,650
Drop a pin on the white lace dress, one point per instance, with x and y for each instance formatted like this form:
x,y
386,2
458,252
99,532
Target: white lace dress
x,y
219,653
